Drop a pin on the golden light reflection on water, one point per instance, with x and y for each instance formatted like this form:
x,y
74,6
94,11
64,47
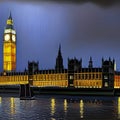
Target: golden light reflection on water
x,y
53,106
81,108
118,107
0,100
12,105
65,105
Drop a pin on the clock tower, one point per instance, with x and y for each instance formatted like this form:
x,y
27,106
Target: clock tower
x,y
9,46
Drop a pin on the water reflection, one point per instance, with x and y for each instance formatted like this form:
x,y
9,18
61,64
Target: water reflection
x,y
81,108
118,107
52,106
58,108
12,105
65,105
0,100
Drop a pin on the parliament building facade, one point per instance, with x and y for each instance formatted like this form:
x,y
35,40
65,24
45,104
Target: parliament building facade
x,y
74,76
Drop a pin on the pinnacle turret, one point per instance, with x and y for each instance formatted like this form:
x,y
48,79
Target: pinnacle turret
x,y
59,51
59,60
90,63
9,22
10,16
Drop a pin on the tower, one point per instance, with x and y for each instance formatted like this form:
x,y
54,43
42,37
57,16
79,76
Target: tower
x,y
107,73
59,61
90,63
9,46
33,67
74,66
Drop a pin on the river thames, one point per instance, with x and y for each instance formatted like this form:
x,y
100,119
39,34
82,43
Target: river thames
x,y
58,107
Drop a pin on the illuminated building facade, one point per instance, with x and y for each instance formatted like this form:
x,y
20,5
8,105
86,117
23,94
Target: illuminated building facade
x,y
9,46
75,75
117,80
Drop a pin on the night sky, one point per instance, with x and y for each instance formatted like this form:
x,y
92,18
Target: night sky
x,y
84,29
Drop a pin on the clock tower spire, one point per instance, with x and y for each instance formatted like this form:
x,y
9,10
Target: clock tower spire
x,y
9,46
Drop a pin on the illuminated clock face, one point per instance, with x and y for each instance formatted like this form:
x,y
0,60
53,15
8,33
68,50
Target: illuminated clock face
x,y
7,37
13,38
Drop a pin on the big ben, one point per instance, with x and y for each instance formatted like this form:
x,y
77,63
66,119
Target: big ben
x,y
9,46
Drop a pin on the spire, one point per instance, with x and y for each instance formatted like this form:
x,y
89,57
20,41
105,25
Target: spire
x,y
59,46
90,63
10,22
59,51
10,16
81,62
59,61
113,60
109,59
102,59
90,58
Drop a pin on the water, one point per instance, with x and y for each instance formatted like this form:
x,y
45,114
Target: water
x,y
52,107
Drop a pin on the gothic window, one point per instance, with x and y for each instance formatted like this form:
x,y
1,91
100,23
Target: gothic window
x,y
96,76
105,77
71,77
106,84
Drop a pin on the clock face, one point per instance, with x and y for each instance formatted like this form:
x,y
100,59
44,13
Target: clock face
x,y
7,37
13,38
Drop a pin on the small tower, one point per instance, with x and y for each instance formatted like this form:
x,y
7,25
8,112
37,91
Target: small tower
x,y
107,73
74,66
59,61
9,46
33,67
90,63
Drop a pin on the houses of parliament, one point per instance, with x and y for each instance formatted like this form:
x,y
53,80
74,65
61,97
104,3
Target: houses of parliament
x,y
75,75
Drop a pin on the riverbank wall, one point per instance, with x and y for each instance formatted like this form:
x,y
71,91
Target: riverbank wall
x,y
63,91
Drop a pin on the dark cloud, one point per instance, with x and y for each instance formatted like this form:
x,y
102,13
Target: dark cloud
x,y
103,3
